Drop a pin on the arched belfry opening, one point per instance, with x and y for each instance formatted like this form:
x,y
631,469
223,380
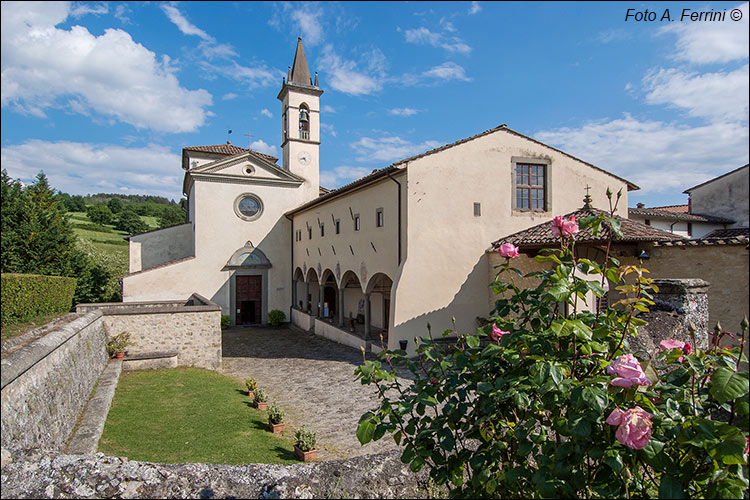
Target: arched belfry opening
x,y
304,121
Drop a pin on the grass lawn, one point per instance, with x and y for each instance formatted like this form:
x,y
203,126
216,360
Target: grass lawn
x,y
189,415
9,331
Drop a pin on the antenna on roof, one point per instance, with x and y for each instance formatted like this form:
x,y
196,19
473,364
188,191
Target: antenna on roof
x,y
229,131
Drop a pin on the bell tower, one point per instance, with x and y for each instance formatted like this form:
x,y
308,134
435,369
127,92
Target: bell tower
x,y
300,123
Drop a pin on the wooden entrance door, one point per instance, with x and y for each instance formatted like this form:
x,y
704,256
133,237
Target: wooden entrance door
x,y
248,296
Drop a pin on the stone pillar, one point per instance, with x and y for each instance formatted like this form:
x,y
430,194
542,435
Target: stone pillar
x,y
679,304
341,308
367,316
307,294
320,301
294,293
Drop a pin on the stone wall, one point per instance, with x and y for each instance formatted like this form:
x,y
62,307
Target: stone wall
x,y
724,267
46,384
192,328
52,475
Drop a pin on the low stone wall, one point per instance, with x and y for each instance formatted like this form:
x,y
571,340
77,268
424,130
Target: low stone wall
x,y
47,383
302,320
52,475
191,327
327,330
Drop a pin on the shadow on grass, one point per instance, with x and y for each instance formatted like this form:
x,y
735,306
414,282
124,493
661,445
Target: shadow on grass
x,y
285,454
260,426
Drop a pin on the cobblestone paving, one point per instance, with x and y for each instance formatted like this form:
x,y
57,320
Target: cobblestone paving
x,y
312,379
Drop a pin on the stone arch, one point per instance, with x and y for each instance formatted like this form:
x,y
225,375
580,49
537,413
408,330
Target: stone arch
x,y
348,279
312,276
379,282
299,275
330,295
248,257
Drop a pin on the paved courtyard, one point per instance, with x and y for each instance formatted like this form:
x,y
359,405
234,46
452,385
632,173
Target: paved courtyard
x,y
311,378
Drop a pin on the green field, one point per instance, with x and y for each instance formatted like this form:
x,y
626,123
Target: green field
x,y
182,415
105,244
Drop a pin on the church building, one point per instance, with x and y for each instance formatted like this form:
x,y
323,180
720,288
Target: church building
x,y
376,260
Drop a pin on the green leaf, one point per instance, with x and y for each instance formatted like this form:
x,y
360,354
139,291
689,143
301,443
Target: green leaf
x,y
408,454
446,439
365,431
595,397
727,385
670,487
417,464
472,340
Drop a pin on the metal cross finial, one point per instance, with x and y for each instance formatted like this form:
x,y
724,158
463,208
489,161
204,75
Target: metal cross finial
x,y
587,198
248,135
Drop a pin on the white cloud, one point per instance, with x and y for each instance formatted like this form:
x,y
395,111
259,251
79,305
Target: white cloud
x,y
304,20
263,147
716,96
657,156
436,75
614,35
81,168
474,8
424,36
260,76
121,13
183,24
81,9
712,42
403,111
266,113
339,176
109,74
329,129
229,96
346,77
389,149
327,109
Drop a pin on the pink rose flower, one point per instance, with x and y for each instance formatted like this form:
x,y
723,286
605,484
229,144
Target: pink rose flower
x,y
566,227
666,345
508,250
497,333
628,371
634,429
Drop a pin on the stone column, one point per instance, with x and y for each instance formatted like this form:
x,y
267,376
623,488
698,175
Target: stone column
x,y
307,294
341,308
320,301
367,316
294,293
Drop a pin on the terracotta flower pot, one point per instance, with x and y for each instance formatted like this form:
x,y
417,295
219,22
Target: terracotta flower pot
x,y
119,355
275,428
251,395
305,456
261,406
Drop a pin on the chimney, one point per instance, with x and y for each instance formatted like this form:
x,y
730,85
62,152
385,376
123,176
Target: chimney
x,y
640,205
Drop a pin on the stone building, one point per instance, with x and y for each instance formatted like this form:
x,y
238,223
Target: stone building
x,y
387,254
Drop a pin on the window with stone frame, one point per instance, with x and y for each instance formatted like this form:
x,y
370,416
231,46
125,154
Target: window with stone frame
x,y
531,187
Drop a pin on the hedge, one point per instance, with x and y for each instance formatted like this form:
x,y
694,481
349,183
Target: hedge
x,y
26,296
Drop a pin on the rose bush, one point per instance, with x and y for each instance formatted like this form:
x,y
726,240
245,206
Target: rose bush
x,y
548,400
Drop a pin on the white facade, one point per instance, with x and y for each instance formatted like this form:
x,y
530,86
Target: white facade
x,y
388,254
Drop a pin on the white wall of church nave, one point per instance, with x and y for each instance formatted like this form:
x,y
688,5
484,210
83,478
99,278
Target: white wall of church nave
x,y
444,274
365,202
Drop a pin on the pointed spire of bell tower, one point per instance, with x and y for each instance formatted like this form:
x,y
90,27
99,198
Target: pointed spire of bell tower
x,y
300,70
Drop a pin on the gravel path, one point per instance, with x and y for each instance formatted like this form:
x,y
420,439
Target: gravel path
x,y
312,379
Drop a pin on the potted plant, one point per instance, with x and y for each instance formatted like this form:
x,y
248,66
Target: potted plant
x,y
304,444
275,418
251,386
275,317
261,399
117,344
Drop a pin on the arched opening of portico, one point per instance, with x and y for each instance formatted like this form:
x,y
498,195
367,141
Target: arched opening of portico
x,y
378,297
330,300
312,293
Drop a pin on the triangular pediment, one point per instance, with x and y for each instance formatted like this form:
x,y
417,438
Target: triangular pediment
x,y
248,166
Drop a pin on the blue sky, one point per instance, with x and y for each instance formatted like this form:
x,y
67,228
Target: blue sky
x,y
103,96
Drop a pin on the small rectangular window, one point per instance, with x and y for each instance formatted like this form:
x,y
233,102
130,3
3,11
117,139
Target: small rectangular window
x,y
690,228
338,226
322,230
647,222
530,186
477,209
379,217
356,222
309,233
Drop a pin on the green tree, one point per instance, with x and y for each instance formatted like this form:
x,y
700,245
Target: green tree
x,y
130,222
99,214
172,216
115,205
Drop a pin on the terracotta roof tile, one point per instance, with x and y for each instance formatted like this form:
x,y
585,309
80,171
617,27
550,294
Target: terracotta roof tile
x,y
683,209
663,213
541,235
728,233
230,149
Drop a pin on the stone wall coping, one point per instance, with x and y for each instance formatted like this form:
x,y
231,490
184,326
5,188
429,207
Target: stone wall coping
x,y
681,286
151,355
152,307
17,363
